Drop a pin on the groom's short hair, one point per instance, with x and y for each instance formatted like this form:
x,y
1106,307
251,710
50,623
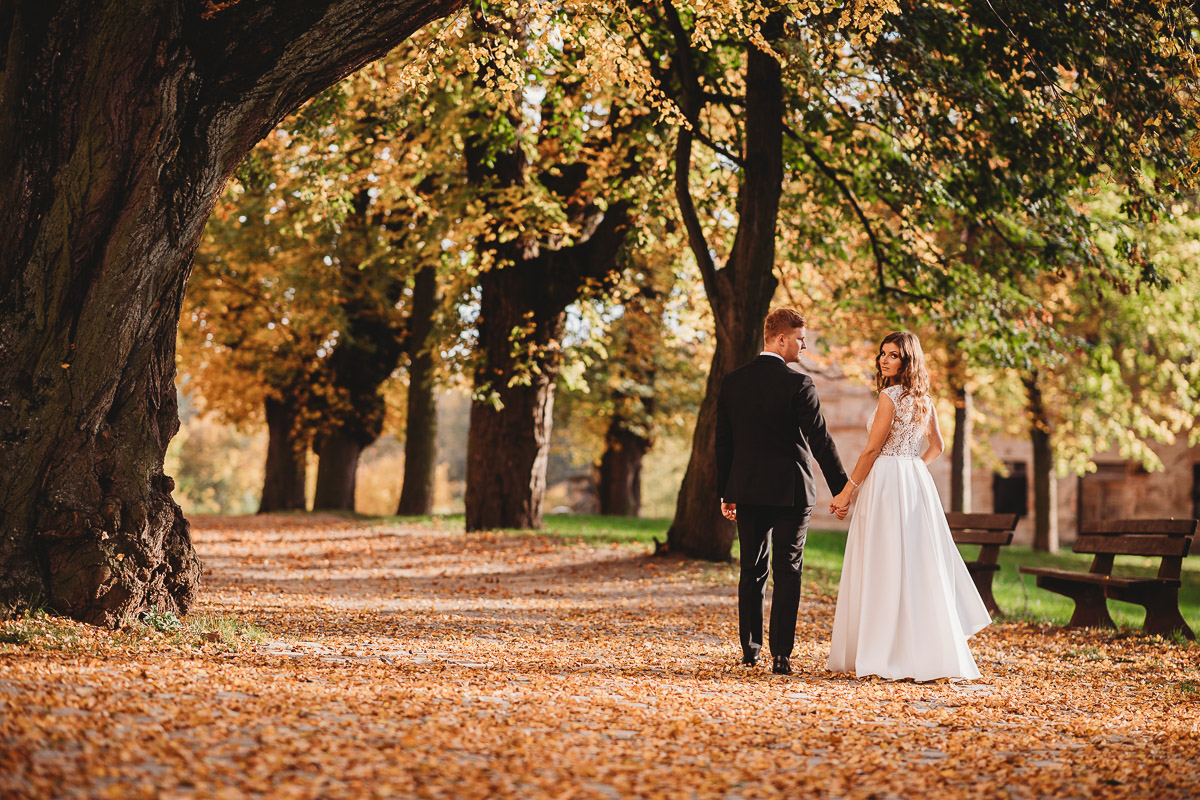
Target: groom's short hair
x,y
782,320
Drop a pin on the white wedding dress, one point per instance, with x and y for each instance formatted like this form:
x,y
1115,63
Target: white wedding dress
x,y
906,604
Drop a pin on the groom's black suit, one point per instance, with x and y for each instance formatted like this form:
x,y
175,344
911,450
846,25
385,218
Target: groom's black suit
x,y
769,429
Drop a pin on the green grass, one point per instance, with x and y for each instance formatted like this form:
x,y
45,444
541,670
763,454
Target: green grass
x,y
40,630
591,528
599,529
227,632
1017,594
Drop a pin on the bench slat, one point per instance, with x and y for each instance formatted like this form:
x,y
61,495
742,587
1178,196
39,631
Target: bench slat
x,y
986,522
1134,545
1091,577
1163,527
982,537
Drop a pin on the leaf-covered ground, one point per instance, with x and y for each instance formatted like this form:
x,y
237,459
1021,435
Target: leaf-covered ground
x,y
410,661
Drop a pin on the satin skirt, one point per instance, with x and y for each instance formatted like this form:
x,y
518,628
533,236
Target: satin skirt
x,y
906,604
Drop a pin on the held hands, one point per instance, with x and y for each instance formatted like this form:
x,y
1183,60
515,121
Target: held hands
x,y
840,505
729,511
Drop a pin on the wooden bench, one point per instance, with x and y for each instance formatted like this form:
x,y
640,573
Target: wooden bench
x,y
1169,539
990,532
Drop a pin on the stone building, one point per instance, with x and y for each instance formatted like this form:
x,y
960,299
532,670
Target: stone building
x,y
1118,488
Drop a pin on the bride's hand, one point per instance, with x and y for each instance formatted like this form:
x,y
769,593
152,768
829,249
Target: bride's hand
x,y
840,505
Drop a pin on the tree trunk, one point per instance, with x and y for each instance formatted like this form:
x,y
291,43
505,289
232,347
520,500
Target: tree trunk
x,y
121,123
420,438
739,293
337,471
511,417
698,529
285,473
509,438
374,337
960,451
621,471
523,300
1045,487
506,458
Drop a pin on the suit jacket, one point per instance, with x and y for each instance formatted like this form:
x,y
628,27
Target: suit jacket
x,y
769,430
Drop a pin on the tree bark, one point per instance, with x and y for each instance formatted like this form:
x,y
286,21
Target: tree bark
x,y
1045,487
285,474
740,292
509,438
367,353
513,412
621,471
121,123
960,450
420,439
337,471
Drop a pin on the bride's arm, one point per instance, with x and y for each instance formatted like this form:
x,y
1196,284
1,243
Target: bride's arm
x,y
875,439
937,445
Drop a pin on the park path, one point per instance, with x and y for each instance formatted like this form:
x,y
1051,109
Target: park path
x,y
418,661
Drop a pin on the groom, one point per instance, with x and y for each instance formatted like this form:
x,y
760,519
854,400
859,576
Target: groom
x,y
769,429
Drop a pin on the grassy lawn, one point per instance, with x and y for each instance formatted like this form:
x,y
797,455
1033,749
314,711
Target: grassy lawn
x,y
1017,594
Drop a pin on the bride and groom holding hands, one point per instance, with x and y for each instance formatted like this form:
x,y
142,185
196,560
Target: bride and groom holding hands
x,y
906,604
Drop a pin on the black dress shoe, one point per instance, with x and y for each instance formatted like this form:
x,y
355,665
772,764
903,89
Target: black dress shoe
x,y
750,660
781,666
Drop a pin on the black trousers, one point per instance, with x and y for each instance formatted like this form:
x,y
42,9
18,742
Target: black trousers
x,y
774,536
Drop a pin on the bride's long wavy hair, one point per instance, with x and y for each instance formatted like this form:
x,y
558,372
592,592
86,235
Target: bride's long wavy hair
x,y
912,375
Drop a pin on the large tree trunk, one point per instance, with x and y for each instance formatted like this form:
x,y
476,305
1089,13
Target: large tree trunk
x,y
420,439
512,415
739,293
337,471
373,339
355,421
960,450
509,438
621,470
120,124
522,310
698,529
285,473
1045,487
506,458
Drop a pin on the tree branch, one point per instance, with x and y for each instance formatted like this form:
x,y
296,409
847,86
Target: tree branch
x,y
260,61
881,258
851,200
690,89
704,139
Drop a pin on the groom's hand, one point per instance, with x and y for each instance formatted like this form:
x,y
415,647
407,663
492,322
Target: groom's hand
x,y
840,505
729,511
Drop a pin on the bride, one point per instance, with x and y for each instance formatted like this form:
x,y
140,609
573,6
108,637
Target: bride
x,y
906,604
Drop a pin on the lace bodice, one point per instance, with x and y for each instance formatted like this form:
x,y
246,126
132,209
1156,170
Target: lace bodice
x,y
904,439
